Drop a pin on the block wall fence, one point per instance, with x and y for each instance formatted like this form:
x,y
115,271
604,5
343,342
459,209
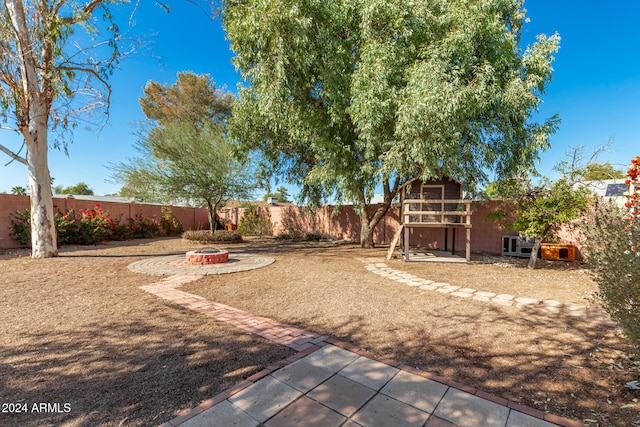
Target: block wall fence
x,y
486,236
191,218
342,223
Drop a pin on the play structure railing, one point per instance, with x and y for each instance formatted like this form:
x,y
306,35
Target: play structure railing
x,y
450,212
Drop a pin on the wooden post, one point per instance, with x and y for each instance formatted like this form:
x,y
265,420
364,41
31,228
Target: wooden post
x,y
453,242
406,243
468,248
446,235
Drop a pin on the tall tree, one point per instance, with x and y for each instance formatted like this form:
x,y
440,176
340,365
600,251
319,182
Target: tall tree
x,y
348,95
186,153
45,74
81,188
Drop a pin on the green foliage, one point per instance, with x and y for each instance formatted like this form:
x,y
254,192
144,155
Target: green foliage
x,y
541,210
601,171
255,222
205,236
80,188
19,190
610,237
344,96
21,227
169,223
186,154
281,194
88,227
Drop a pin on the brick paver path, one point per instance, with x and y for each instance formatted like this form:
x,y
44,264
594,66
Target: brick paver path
x,y
454,404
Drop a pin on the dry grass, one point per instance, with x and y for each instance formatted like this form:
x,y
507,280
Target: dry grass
x,y
78,329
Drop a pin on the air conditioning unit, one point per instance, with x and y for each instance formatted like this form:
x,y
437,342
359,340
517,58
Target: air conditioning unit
x,y
520,246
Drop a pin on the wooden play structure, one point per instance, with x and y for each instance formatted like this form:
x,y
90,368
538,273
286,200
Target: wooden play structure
x,y
433,204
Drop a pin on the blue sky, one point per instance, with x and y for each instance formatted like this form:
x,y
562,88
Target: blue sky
x,y
595,89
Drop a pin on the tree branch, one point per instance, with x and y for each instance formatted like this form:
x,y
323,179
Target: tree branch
x,y
13,155
87,10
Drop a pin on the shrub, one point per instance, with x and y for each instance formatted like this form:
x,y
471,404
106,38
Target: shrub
x,y
613,239
313,236
21,227
92,227
616,268
205,236
169,223
255,223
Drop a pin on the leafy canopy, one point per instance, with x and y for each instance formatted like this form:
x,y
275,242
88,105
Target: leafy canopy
x,y
343,96
186,154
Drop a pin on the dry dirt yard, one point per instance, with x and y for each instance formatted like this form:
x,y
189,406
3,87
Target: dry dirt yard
x,y
79,330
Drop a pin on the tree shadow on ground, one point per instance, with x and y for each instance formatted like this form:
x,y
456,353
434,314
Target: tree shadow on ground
x,y
562,365
142,372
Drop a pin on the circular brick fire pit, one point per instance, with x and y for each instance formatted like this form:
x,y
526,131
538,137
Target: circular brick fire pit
x,y
207,256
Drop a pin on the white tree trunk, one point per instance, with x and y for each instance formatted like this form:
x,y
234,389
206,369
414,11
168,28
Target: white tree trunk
x,y
33,114
43,228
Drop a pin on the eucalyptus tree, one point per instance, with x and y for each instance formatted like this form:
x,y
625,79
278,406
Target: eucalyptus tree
x,y
344,96
56,58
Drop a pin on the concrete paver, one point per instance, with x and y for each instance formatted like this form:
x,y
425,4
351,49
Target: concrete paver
x,y
438,422
468,410
265,398
383,411
225,414
342,395
332,358
302,375
369,373
518,419
416,391
306,412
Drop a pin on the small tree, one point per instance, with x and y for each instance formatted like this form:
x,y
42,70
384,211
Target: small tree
x,y
600,171
613,256
186,154
539,210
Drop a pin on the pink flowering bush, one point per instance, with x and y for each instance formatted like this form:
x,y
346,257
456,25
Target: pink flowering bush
x,y
613,238
87,227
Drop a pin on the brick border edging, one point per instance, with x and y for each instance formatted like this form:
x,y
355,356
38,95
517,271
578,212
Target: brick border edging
x,y
304,343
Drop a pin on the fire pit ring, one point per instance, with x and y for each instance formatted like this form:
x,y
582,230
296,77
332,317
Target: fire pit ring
x,y
207,256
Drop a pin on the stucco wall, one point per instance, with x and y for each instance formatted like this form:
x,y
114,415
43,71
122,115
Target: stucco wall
x,y
191,218
344,223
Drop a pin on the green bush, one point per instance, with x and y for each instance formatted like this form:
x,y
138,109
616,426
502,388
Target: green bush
x,y
21,227
92,226
611,253
205,236
169,223
255,223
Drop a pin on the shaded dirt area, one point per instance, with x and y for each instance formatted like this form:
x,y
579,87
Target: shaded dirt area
x,y
556,363
78,330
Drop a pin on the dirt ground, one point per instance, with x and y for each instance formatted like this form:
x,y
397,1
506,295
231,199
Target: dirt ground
x,y
78,330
